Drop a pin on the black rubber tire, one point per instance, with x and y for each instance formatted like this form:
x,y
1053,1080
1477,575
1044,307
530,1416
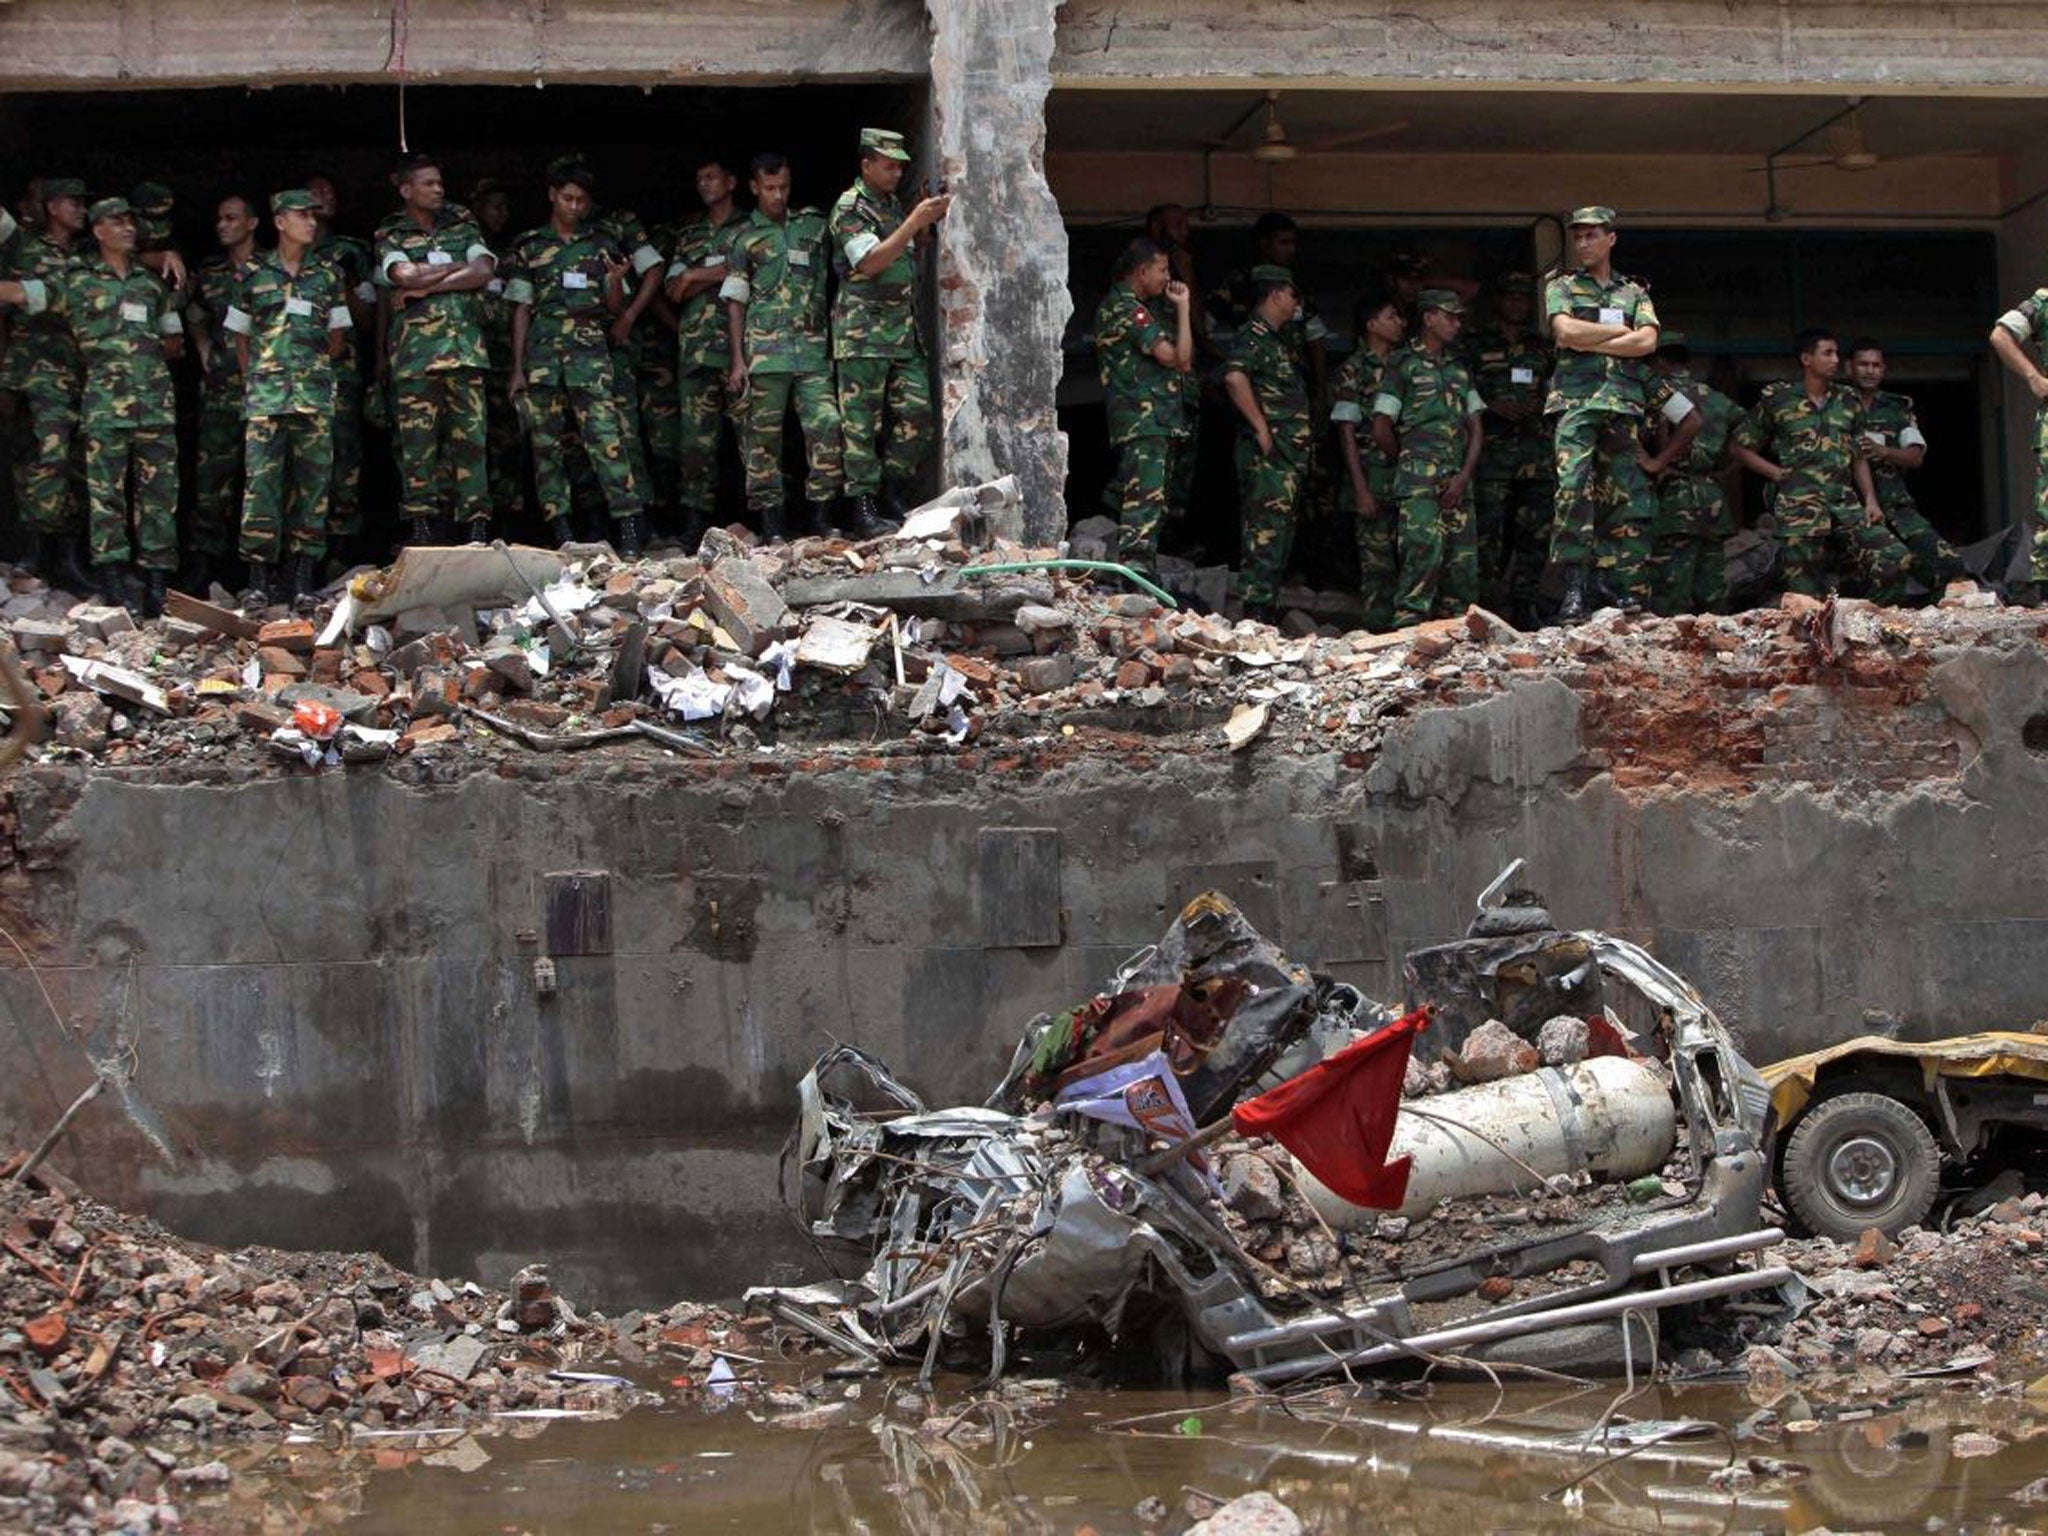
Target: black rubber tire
x,y
1824,1210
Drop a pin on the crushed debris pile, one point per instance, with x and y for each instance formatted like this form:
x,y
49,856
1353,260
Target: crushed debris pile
x,y
1083,1204
941,641
135,1362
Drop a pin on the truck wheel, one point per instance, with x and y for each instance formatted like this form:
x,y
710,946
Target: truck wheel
x,y
1860,1160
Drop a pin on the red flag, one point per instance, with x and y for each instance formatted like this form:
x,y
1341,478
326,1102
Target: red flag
x,y
1337,1118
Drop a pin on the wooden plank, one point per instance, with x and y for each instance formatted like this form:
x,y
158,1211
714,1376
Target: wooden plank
x,y
1020,888
225,621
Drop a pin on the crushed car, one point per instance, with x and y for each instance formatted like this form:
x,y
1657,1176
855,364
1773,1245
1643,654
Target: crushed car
x,y
1871,1129
1542,1204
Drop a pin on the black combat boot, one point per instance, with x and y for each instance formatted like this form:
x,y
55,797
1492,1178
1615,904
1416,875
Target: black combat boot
x,y
817,519
863,521
262,577
690,530
422,532
154,583
479,530
632,536
1572,609
774,524
69,572
563,531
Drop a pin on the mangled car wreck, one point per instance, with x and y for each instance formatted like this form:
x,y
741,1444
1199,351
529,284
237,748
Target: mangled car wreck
x,y
1223,1163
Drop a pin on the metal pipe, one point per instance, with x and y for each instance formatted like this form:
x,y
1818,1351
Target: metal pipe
x,y
1706,1252
1124,571
1495,1329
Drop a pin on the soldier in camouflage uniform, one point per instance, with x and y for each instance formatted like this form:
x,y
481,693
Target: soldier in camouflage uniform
x,y
778,333
1513,498
1604,325
1275,438
216,509
352,259
291,321
1825,500
1144,368
1426,416
504,443
43,373
433,262
1692,423
566,283
2020,338
125,321
656,343
702,361
1168,227
1368,472
875,340
1894,443
643,286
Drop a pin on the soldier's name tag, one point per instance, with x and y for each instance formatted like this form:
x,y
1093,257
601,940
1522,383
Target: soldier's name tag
x,y
135,314
1878,438
1521,375
1611,316
574,279
300,307
799,258
440,259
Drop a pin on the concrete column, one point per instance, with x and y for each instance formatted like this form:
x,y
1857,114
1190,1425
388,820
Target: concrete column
x,y
1002,301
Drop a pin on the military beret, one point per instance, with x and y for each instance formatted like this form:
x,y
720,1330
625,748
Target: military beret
x,y
108,208
153,198
63,186
883,141
1440,298
296,200
1266,272
1594,213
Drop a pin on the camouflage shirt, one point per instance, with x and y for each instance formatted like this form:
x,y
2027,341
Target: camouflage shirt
x,y
874,316
1260,354
350,258
1230,310
781,273
41,351
120,324
700,335
562,282
1351,396
1588,379
1143,394
1430,399
1675,396
288,318
444,331
1818,441
498,315
214,287
1888,421
2024,321
1509,368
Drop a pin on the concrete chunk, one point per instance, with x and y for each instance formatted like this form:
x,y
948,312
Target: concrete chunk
x,y
743,603
40,635
102,621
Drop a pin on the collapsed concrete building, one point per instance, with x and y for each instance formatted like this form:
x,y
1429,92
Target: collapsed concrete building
x,y
329,981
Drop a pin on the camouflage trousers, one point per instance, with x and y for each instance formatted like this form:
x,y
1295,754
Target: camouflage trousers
x,y
661,424
504,446
1605,503
585,410
626,393
290,473
1513,520
1935,562
1820,524
1687,572
703,407
1268,501
870,389
1142,491
217,506
345,496
440,423
1379,564
764,416
45,449
112,453
1439,549
2037,564
1180,481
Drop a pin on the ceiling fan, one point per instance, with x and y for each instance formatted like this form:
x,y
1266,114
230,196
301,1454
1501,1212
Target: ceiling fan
x,y
1847,148
1274,147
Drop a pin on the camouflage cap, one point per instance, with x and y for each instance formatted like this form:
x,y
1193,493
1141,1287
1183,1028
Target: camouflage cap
x,y
152,198
1671,341
1518,282
1407,264
1440,298
63,186
109,208
489,186
296,200
1267,272
883,141
1592,213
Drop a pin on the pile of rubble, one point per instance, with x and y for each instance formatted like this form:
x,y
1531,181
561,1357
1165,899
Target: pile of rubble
x,y
135,1363
940,640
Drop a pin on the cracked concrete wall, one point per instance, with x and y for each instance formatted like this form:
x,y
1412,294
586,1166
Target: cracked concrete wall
x,y
329,985
1003,302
